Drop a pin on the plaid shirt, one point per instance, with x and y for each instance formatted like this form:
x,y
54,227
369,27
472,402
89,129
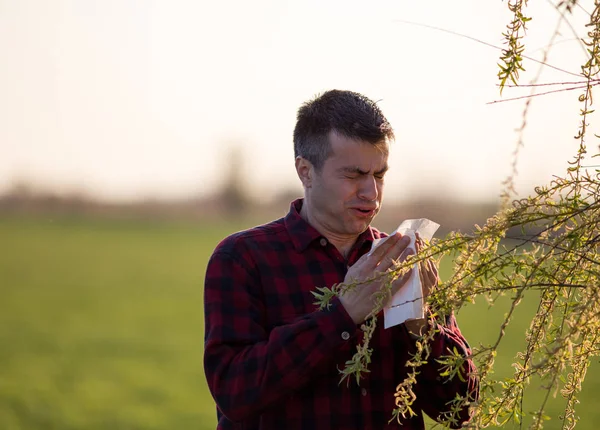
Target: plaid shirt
x,y
271,359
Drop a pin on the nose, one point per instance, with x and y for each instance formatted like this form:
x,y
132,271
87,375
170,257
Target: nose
x,y
368,189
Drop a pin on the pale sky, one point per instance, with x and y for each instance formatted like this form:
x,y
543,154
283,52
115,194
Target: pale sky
x,y
133,99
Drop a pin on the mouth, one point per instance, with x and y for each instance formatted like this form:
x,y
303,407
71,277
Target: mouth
x,y
364,212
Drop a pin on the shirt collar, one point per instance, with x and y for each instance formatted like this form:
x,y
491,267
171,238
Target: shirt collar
x,y
303,234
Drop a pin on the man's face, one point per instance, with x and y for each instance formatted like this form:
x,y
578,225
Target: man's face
x,y
346,194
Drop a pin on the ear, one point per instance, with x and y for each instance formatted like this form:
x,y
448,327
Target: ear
x,y
305,171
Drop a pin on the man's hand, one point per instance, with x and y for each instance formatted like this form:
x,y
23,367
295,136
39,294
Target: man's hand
x,y
429,280
427,270
359,301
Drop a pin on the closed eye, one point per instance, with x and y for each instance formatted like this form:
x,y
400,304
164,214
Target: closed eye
x,y
355,173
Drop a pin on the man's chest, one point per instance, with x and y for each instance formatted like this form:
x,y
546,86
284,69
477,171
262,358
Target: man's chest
x,y
289,281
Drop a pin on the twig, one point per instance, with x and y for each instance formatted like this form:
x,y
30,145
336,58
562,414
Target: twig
x,y
535,95
482,42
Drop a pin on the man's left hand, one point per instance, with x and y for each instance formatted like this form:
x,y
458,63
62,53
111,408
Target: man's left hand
x,y
429,280
427,270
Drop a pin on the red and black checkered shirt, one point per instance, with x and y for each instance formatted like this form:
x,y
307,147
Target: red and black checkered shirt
x,y
271,359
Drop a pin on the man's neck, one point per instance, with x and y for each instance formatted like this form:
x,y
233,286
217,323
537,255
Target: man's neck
x,y
343,243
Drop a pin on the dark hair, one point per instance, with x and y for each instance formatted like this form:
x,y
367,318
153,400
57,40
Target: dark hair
x,y
350,114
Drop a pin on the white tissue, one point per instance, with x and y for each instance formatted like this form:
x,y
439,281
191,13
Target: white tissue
x,y
407,303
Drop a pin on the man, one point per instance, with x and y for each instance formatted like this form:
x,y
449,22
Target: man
x,y
271,358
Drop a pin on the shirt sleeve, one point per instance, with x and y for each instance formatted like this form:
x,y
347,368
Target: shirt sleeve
x,y
434,392
247,367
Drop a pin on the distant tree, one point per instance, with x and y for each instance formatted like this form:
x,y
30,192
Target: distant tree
x,y
555,256
233,193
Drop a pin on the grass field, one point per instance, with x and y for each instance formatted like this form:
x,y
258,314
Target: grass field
x,y
101,326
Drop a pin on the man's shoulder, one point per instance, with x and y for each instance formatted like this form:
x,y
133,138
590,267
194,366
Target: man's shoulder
x,y
245,240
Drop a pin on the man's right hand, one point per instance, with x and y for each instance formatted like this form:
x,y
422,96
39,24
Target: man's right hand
x,y
359,301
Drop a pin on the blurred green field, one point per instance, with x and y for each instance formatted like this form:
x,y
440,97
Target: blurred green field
x,y
101,326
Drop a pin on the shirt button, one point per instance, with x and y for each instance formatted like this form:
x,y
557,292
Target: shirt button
x,y
323,241
363,391
345,335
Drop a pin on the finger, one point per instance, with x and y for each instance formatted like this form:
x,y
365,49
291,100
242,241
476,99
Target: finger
x,y
432,274
418,244
428,270
422,275
386,265
394,254
424,270
373,259
425,278
434,270
429,276
379,253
